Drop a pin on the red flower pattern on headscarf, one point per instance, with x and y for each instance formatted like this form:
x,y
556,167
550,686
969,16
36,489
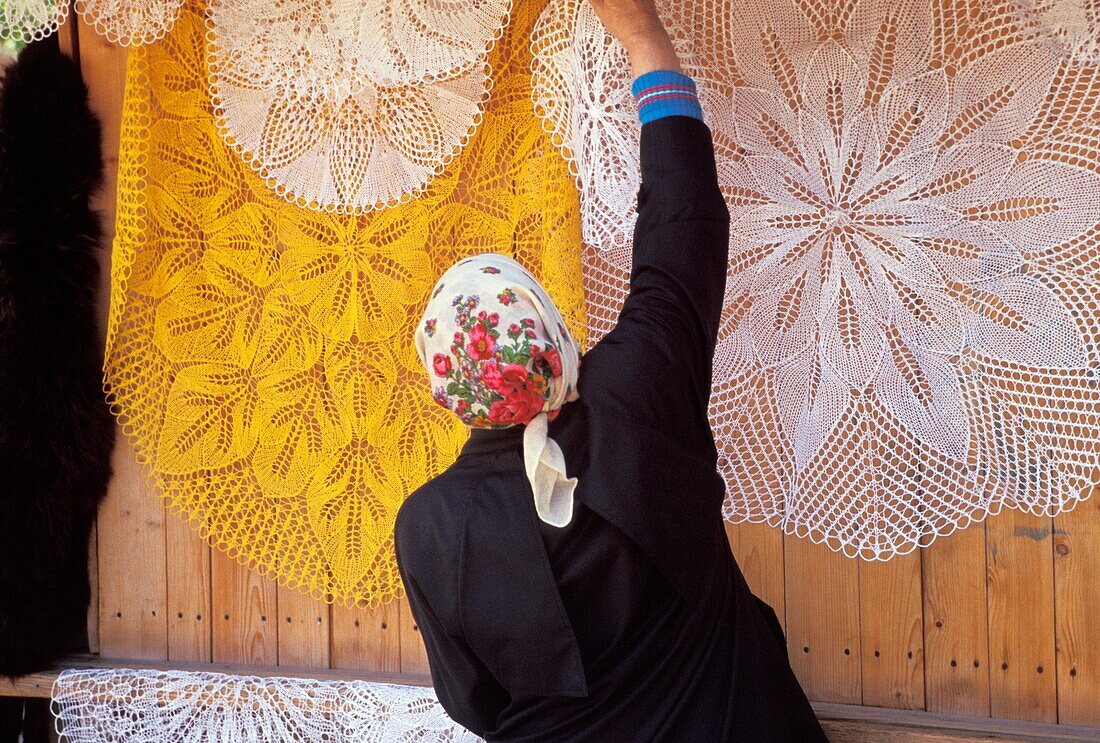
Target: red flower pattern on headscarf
x,y
513,377
481,345
553,360
519,406
441,364
490,375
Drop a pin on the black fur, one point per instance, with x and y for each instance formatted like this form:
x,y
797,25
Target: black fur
x,y
56,431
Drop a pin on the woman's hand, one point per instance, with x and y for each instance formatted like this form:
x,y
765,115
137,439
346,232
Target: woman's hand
x,y
637,26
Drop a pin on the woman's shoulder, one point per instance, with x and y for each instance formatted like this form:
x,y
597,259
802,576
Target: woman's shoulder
x,y
430,521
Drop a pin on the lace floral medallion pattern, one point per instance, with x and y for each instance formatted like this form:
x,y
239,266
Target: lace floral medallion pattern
x,y
130,22
582,92
351,106
31,20
909,338
408,41
1076,23
260,355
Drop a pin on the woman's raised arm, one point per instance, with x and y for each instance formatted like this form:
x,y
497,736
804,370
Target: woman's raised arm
x,y
639,29
663,346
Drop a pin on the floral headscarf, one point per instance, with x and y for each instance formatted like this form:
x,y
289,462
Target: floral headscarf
x,y
499,355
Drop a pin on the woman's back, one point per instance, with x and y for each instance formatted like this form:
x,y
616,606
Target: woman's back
x,y
575,634
632,622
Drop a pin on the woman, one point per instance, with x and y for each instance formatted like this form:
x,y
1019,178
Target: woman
x,y
570,573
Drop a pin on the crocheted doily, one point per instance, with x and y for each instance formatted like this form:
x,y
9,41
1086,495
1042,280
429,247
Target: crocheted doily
x,y
129,22
118,705
325,103
31,20
260,355
910,335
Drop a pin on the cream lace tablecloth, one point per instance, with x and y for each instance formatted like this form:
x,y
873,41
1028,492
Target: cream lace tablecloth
x,y
910,333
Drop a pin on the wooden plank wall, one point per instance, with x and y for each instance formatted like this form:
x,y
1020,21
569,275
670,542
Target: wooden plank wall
x,y
1001,619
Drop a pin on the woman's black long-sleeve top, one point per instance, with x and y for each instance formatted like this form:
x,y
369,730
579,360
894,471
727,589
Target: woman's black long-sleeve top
x,y
633,623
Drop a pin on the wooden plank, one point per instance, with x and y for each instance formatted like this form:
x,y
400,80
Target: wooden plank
x,y
93,594
303,630
858,731
1021,617
132,621
892,632
414,658
759,554
244,609
189,619
132,613
1077,604
103,67
66,38
366,639
956,629
822,603
842,722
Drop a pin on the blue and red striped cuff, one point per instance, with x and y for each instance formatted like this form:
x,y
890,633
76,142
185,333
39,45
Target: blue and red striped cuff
x,y
661,93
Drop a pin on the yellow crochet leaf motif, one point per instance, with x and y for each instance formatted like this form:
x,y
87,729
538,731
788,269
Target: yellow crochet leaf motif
x,y
215,318
351,496
287,341
351,279
303,423
249,243
179,90
260,355
193,169
211,418
362,373
180,240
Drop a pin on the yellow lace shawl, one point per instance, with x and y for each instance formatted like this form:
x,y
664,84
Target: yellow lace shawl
x,y
260,356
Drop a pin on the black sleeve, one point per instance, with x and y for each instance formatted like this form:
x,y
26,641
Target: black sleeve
x,y
465,687
661,350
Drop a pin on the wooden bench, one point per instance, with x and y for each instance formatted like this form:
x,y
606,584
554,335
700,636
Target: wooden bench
x,y
843,723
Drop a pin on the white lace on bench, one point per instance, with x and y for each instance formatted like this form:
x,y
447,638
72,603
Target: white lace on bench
x,y
122,706
911,325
